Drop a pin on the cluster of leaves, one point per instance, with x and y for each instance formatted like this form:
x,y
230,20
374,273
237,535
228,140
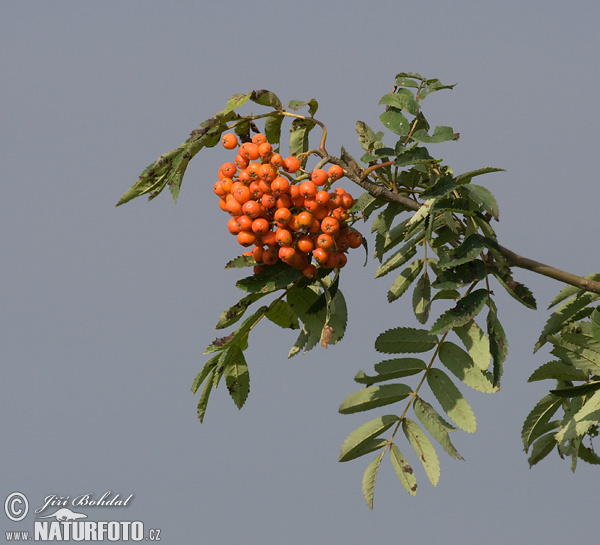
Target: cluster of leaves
x,y
435,228
573,330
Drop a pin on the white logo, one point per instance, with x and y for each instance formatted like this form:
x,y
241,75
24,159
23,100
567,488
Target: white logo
x,y
65,514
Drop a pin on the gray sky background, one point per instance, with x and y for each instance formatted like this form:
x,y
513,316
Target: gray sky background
x,y
106,311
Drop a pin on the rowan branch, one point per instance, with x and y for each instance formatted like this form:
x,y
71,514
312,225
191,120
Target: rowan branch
x,y
513,259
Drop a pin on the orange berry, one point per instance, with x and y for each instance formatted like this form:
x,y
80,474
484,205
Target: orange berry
x,y
246,238
276,161
265,150
287,254
244,176
218,189
282,216
256,192
251,209
233,207
228,169
257,268
322,197
229,141
283,237
284,201
325,241
233,226
320,212
223,204
335,172
253,171
293,223
241,193
268,201
291,164
267,173
347,201
310,271
227,184
354,239
257,253
308,189
340,214
305,244
280,185
260,226
249,150
321,255
330,225
268,238
304,220
244,222
259,139
241,162
319,176
270,256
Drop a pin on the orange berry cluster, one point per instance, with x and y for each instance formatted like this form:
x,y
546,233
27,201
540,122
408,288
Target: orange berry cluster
x,y
292,222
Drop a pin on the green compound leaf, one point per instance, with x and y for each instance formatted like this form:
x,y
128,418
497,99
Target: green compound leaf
x,y
538,422
368,480
422,298
541,448
483,197
436,426
401,340
361,439
236,375
404,280
557,370
373,397
465,310
423,448
281,314
404,470
392,369
451,400
476,343
462,366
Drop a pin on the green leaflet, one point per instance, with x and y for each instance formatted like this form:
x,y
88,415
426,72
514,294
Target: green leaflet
x,y
466,177
399,258
516,290
476,343
203,401
363,435
369,140
368,481
405,340
563,314
451,400
422,212
423,448
472,247
240,262
392,369
301,300
238,336
440,134
281,314
403,470
538,420
462,366
404,280
236,375
465,310
440,188
460,276
422,298
403,99
569,291
312,104
595,320
267,98
394,121
299,135
373,397
498,343
557,370
235,312
273,129
579,350
270,279
206,370
481,196
541,448
436,426
580,390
